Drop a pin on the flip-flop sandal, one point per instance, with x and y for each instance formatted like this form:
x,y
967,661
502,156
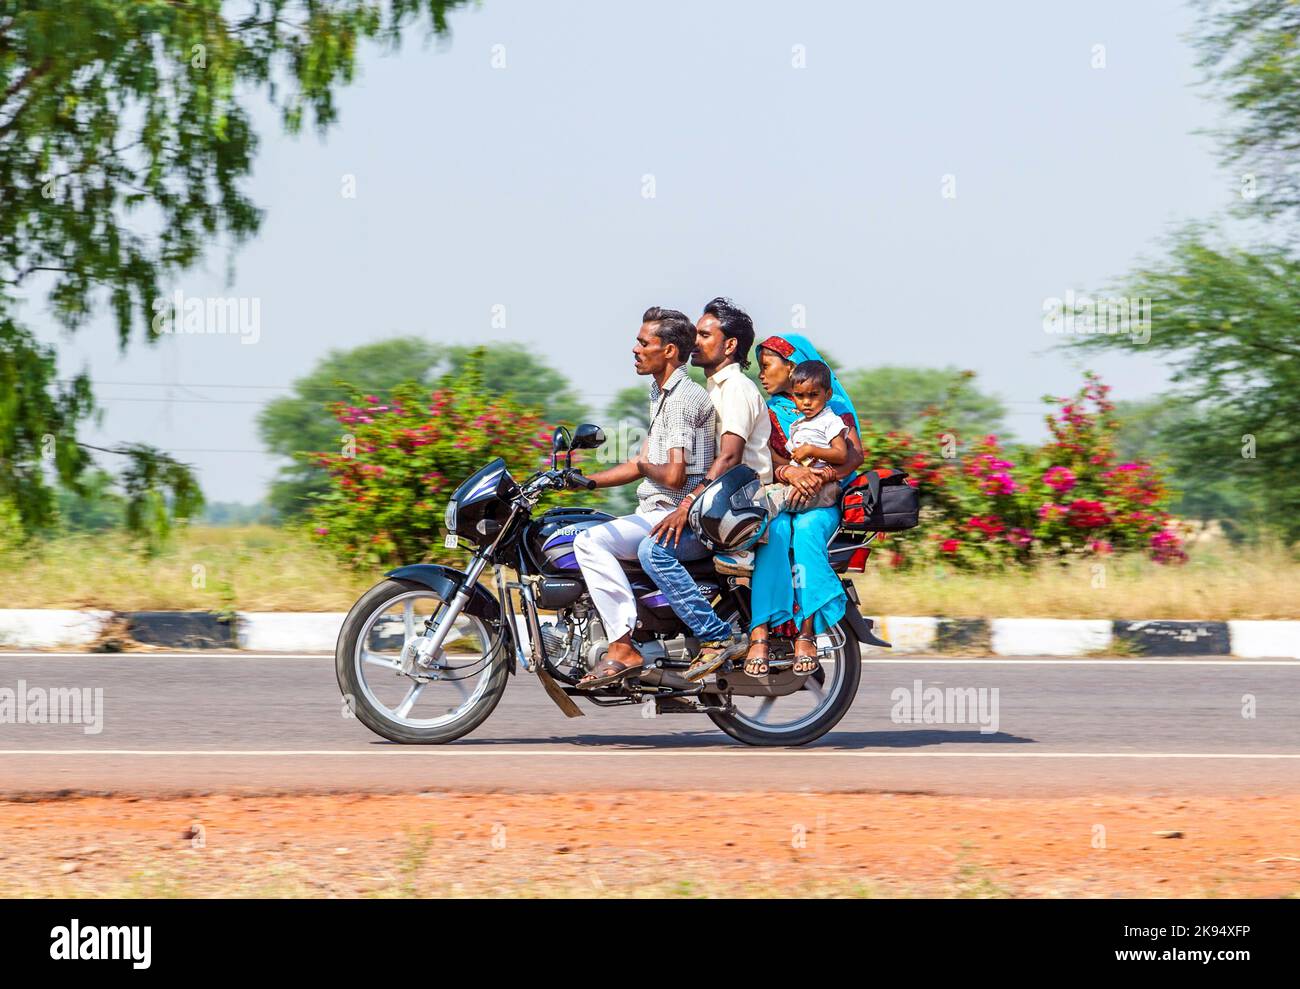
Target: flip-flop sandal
x,y
755,666
710,662
609,671
806,665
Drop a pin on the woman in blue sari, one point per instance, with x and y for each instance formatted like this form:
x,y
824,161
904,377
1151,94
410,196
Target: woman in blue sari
x,y
794,590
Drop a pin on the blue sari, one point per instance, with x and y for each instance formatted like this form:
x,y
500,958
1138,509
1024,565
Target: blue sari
x,y
793,579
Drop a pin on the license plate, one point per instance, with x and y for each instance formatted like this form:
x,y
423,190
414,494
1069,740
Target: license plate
x,y
451,542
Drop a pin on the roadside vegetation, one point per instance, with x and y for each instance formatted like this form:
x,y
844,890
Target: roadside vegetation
x,y
263,568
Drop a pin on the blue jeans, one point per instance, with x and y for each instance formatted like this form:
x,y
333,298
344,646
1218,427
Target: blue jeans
x,y
664,565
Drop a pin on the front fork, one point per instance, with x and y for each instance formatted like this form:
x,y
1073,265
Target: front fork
x,y
427,648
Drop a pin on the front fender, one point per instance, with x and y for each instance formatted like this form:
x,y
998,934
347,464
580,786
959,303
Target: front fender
x,y
445,582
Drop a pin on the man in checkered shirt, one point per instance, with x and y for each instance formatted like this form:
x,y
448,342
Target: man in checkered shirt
x,y
677,451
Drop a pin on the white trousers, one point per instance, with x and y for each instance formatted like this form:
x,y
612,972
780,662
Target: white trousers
x,y
598,551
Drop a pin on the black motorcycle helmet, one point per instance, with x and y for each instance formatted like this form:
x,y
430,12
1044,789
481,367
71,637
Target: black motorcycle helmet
x,y
731,513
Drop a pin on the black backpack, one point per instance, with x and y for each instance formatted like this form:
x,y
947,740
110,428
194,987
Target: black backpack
x,y
880,501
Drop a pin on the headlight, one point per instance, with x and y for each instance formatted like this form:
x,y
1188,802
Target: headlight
x,y
450,517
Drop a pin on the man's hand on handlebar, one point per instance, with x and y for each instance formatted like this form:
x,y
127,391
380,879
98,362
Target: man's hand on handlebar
x,y
572,477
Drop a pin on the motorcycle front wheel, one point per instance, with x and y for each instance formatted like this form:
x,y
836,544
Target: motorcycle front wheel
x,y
433,706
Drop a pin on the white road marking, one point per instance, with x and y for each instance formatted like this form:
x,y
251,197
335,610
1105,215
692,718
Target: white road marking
x,y
134,656
414,751
900,661
1025,661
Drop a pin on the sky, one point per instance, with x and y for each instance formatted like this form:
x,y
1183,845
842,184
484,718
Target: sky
x,y
564,165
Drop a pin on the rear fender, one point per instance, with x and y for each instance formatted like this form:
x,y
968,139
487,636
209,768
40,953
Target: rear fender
x,y
861,625
446,582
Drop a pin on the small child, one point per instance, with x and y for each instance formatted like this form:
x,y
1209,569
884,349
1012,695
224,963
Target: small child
x,y
819,439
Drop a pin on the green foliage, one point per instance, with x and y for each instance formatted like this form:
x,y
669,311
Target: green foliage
x,y
1228,318
236,513
124,143
514,369
387,496
1172,431
302,422
297,426
38,420
984,504
1251,50
159,491
897,398
96,507
110,107
626,419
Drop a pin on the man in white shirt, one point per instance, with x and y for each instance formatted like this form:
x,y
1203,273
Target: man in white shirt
x,y
724,336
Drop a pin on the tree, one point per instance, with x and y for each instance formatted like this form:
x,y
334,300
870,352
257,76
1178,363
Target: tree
x,y
123,149
1171,431
1228,318
1251,50
96,508
302,422
296,426
515,369
897,398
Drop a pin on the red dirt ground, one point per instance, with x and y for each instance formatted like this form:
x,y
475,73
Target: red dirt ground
x,y
651,844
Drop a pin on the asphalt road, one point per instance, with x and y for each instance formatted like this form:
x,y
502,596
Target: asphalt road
x,y
198,723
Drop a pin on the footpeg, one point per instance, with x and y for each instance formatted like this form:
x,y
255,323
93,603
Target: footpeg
x,y
675,705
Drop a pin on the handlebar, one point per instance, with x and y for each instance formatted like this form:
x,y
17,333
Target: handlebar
x,y
570,477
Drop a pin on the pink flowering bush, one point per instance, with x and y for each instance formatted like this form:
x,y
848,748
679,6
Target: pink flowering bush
x,y
400,459
983,504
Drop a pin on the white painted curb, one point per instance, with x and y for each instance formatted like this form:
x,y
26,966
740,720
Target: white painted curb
x,y
1048,636
45,628
298,632
288,631
906,634
1260,640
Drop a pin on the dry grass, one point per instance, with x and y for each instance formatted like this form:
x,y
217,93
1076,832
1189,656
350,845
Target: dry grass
x,y
248,568
1218,582
257,568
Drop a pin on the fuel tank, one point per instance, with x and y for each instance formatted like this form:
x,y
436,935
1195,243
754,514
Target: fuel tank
x,y
550,538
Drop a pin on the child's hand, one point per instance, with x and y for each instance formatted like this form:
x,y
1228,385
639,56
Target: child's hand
x,y
801,452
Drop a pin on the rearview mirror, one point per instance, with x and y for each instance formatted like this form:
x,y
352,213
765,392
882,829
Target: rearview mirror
x,y
559,444
588,437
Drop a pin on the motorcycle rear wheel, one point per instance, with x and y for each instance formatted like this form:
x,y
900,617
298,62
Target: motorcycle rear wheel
x,y
844,682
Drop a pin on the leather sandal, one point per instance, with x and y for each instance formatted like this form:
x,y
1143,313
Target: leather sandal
x,y
804,665
610,671
712,656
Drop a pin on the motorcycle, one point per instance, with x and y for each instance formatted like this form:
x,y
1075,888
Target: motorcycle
x,y
424,656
